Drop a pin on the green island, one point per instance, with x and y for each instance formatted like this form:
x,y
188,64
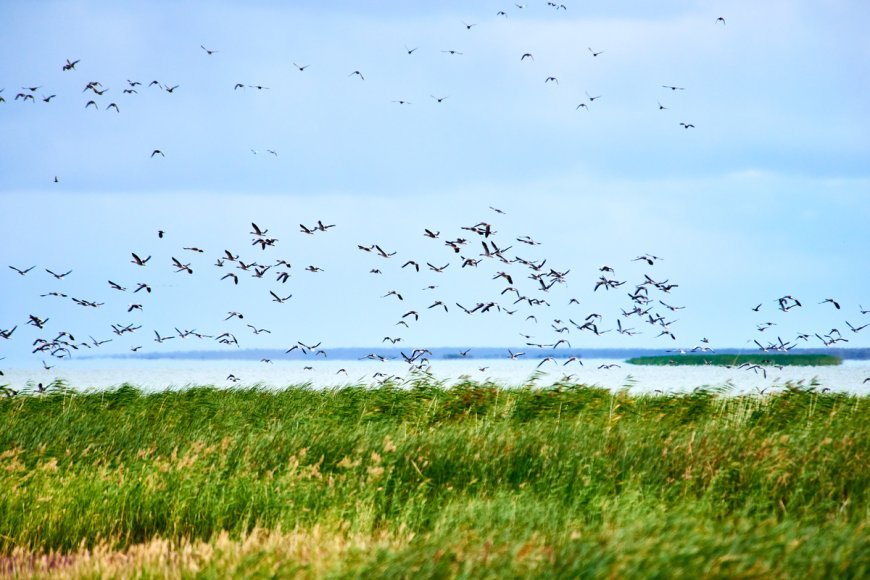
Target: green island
x,y
770,359
422,480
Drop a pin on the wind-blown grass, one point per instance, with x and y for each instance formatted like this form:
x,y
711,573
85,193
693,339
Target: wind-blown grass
x,y
568,481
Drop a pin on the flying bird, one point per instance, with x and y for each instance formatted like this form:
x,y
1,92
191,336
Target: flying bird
x,y
22,272
58,276
278,299
139,261
179,267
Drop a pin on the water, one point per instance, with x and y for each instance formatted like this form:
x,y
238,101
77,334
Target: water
x,y
157,375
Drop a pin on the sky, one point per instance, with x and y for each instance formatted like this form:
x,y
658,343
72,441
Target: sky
x,y
767,194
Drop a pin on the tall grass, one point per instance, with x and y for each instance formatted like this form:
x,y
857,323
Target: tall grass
x,y
568,480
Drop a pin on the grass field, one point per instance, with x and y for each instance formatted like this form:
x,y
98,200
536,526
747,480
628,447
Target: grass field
x,y
473,480
769,359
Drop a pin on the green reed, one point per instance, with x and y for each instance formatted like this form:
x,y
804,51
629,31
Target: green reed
x,y
568,480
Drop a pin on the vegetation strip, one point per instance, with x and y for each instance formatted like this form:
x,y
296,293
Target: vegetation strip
x,y
735,360
475,479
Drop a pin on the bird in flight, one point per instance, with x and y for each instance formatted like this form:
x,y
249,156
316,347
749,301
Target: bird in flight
x,y
210,52
301,68
673,88
70,65
832,301
527,55
410,50
687,126
595,53
856,329
22,272
278,299
721,19
157,152
179,267
438,99
456,52
58,276
553,79
139,261
359,74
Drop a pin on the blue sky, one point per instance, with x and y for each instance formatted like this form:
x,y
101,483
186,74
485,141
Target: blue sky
x,y
767,195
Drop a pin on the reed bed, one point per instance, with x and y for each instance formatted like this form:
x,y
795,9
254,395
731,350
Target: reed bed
x,y
423,480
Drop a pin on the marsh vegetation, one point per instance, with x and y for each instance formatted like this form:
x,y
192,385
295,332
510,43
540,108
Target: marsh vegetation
x,y
476,479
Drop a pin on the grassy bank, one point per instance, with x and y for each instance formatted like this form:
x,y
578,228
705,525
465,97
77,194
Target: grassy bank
x,y
566,481
763,359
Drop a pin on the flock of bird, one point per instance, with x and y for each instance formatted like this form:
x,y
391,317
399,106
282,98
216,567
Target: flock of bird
x,y
509,282
99,97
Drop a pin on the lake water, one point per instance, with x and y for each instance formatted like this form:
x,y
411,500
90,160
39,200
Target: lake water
x,y
156,375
